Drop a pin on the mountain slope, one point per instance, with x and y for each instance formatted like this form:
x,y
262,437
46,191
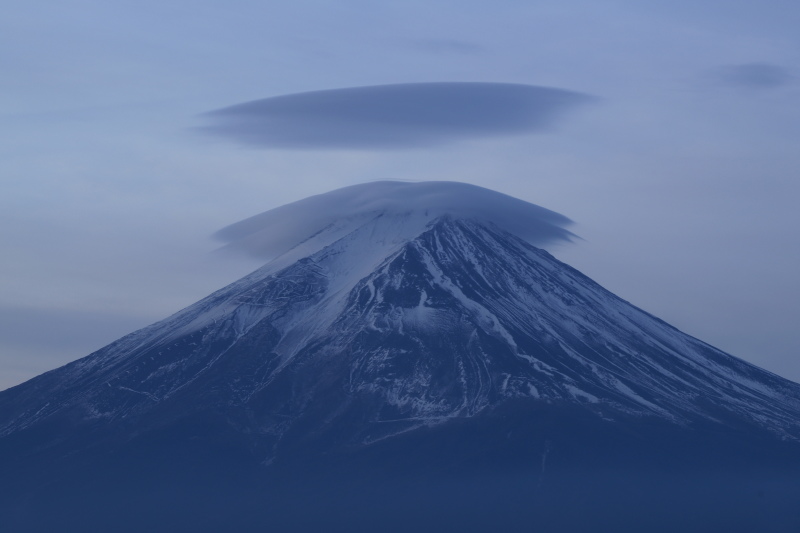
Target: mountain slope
x,y
395,352
446,324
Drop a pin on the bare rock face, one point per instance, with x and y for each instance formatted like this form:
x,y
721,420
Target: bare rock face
x,y
404,372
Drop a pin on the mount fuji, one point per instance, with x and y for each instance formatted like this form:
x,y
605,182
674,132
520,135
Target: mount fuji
x,y
408,359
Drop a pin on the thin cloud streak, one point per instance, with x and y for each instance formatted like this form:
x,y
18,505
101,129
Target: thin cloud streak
x,y
753,76
449,46
402,116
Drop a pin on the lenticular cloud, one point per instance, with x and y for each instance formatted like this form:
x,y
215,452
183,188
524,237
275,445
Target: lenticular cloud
x,y
400,116
404,210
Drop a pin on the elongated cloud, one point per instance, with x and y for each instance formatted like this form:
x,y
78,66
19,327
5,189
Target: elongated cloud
x,y
393,116
406,208
448,46
754,75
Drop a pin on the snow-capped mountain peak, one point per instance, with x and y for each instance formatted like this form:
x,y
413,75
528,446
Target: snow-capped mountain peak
x,y
416,320
413,349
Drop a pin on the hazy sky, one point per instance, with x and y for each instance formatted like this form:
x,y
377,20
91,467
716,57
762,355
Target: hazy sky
x,y
671,138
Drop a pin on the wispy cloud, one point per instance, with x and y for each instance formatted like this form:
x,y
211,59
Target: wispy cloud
x,y
399,116
448,46
753,75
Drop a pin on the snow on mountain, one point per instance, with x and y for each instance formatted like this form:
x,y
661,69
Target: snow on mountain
x,y
410,361
411,304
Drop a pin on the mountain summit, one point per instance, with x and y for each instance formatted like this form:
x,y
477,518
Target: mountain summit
x,y
407,360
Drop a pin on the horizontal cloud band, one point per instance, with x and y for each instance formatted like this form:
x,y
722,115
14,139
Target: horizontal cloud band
x,y
393,116
754,75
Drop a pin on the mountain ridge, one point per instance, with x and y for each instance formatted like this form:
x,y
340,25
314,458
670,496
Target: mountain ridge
x,y
424,364
422,281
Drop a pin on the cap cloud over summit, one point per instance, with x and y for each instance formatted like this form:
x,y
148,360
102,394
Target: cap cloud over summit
x,y
413,205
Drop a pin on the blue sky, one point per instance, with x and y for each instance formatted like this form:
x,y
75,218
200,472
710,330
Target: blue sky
x,y
679,170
